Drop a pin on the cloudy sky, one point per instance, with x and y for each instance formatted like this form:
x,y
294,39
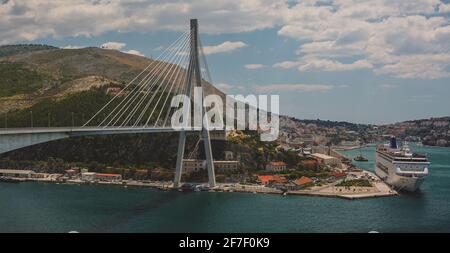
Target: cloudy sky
x,y
370,61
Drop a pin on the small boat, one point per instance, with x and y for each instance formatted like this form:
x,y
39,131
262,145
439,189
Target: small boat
x,y
360,158
187,187
202,188
9,180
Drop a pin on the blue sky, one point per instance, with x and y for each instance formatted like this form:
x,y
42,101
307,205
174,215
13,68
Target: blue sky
x,y
371,61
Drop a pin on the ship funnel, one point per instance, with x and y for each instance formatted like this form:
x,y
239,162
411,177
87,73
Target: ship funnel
x,y
393,143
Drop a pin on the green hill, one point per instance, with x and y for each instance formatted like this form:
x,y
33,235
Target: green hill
x,y
8,50
31,74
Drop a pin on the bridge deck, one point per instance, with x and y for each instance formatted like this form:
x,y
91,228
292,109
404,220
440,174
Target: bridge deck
x,y
74,131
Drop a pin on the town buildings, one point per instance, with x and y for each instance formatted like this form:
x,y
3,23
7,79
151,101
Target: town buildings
x,y
196,165
104,177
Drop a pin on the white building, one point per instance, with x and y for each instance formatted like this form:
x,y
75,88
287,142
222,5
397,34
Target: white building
x,y
327,160
226,165
88,176
193,165
17,173
276,166
108,177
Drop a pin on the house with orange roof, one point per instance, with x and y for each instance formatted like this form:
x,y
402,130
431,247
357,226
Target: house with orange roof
x,y
303,181
300,183
265,179
108,177
272,179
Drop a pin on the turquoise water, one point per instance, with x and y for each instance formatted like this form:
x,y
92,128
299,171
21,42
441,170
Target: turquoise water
x,y
39,207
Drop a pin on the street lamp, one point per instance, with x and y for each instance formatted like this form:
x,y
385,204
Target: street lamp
x,y
31,116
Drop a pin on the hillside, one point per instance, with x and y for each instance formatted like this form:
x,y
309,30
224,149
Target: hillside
x,y
31,74
432,131
8,50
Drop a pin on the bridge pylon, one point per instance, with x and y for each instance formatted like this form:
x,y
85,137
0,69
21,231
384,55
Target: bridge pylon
x,y
194,69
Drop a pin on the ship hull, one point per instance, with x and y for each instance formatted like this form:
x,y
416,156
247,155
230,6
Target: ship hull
x,y
400,183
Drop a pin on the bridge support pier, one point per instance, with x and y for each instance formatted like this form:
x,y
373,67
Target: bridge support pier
x,y
180,155
209,158
194,68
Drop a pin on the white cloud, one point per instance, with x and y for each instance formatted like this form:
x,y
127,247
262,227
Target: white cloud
x,y
135,52
34,19
113,45
226,46
254,66
444,8
402,38
316,64
322,64
424,66
286,64
294,87
71,47
383,33
120,46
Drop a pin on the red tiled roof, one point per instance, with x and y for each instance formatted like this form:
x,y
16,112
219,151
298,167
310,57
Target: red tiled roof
x,y
303,181
265,178
339,174
279,179
271,178
107,175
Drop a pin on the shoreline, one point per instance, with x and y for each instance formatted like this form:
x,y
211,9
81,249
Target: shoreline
x,y
379,188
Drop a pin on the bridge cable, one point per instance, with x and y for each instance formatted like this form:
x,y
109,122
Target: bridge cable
x,y
149,89
163,91
142,83
126,106
129,102
171,66
166,69
180,70
121,91
181,89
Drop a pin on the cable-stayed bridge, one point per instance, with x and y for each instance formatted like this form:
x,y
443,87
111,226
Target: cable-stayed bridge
x,y
141,106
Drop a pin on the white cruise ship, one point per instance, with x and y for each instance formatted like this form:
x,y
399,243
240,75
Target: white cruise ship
x,y
400,168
